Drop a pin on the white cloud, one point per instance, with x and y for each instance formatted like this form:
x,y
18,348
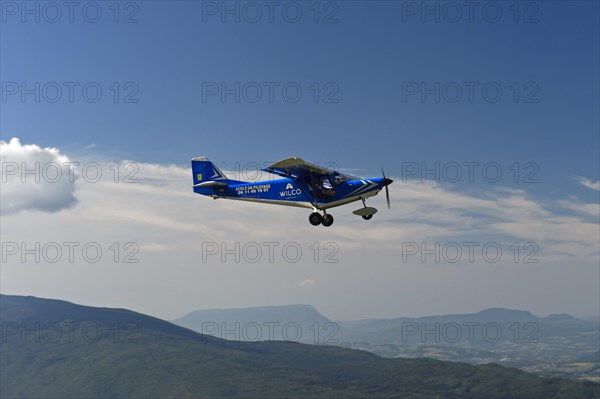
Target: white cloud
x,y
589,183
591,209
35,178
307,283
160,198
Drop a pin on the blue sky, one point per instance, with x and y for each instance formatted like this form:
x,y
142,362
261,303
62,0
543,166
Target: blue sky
x,y
369,53
365,59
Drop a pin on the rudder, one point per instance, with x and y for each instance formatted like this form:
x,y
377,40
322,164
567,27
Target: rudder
x,y
204,170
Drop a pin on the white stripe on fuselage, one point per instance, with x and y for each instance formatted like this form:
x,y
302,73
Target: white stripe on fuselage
x,y
365,186
305,204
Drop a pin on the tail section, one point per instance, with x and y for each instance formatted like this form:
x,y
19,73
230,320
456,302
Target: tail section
x,y
208,179
205,171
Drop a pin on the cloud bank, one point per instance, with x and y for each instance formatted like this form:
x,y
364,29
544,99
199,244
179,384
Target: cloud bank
x,y
157,210
35,178
589,183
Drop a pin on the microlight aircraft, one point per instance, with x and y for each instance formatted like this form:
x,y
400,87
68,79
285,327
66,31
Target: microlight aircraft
x,y
302,184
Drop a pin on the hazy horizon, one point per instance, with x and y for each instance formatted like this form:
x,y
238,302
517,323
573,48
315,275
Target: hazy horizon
x,y
581,317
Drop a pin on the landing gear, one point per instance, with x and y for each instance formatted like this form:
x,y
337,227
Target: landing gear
x,y
365,212
315,219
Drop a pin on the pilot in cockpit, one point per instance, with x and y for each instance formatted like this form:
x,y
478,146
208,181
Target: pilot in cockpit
x,y
325,188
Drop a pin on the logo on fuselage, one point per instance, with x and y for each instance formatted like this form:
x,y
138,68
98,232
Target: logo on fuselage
x,y
290,193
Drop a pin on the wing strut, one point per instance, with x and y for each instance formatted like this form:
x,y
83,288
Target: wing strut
x,y
305,188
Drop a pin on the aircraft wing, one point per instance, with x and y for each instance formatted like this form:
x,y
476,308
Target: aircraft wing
x,y
307,175
298,169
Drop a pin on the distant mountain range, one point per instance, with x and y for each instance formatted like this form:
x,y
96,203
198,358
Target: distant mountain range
x,y
52,348
486,327
300,323
282,322
556,345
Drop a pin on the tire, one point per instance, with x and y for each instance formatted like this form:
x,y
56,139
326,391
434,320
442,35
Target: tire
x,y
367,217
315,219
327,220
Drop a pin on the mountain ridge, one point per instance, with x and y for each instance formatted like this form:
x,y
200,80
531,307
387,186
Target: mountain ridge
x,y
166,360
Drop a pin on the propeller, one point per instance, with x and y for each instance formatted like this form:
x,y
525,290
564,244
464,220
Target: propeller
x,y
386,183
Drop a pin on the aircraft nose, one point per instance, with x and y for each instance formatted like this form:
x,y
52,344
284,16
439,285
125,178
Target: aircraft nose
x,y
387,182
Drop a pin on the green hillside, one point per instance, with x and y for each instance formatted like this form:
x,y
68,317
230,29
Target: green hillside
x,y
64,356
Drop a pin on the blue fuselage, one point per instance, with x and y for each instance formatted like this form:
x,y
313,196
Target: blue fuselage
x,y
286,191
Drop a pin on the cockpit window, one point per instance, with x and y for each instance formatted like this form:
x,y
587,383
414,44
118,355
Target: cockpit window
x,y
339,178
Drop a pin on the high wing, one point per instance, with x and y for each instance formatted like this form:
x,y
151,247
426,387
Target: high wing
x,y
307,176
300,170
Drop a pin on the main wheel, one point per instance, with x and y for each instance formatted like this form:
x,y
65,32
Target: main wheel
x,y
315,219
327,220
367,217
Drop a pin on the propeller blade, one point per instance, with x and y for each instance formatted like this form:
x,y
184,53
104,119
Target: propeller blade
x,y
386,183
387,197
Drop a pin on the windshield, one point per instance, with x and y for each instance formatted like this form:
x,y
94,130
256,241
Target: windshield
x,y
339,178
